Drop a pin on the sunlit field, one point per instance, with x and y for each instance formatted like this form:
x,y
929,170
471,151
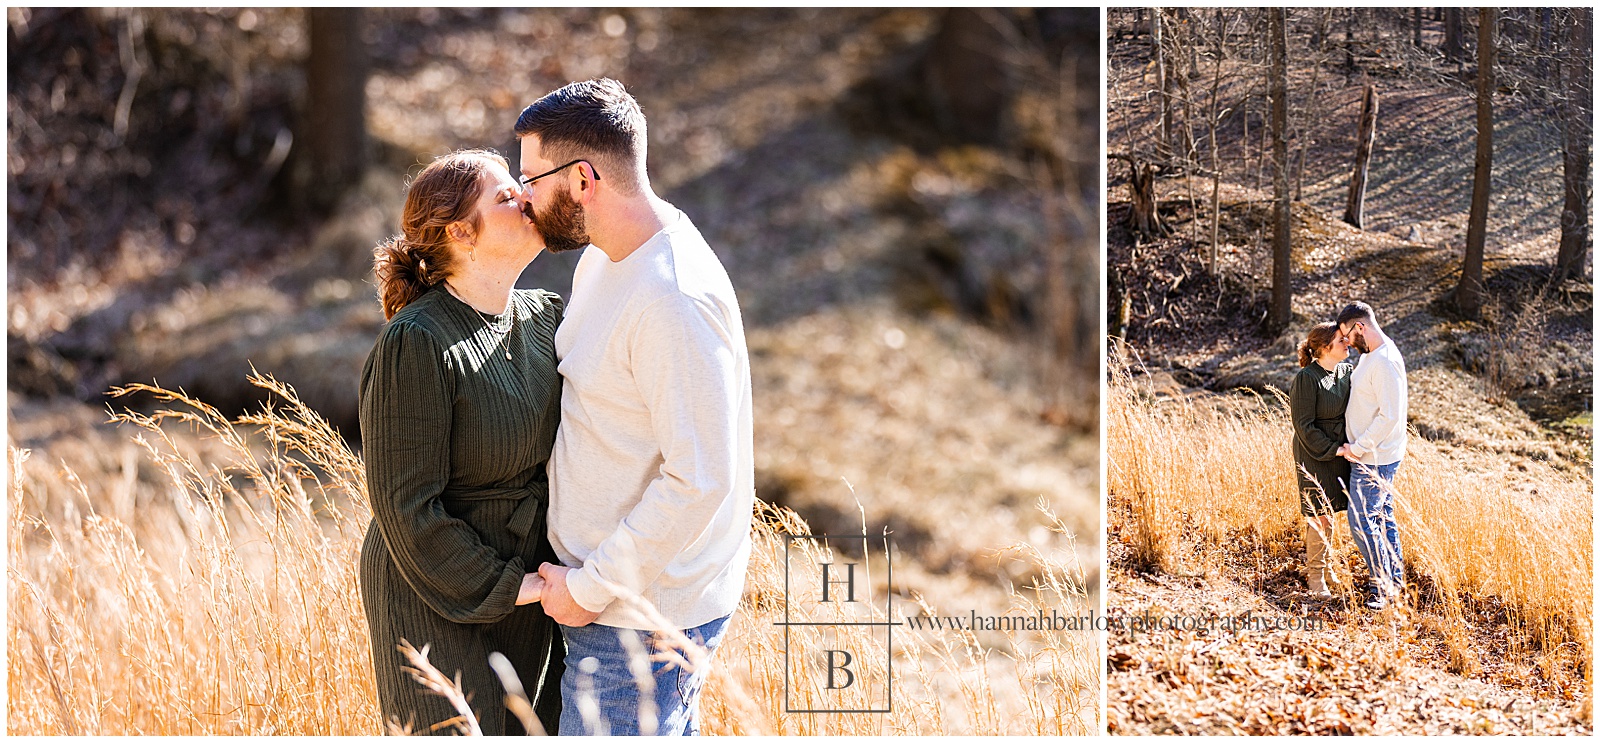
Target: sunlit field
x,y
222,598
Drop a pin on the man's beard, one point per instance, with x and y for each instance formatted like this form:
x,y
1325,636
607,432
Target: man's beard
x,y
562,225
1360,342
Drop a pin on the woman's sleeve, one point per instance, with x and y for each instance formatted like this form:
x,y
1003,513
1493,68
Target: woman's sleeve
x,y
406,396
1303,412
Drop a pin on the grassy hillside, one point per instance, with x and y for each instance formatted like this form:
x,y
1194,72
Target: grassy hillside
x,y
1495,497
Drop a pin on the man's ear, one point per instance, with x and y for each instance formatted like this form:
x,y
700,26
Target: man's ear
x,y
586,182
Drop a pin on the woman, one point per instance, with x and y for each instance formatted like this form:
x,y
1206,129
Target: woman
x,y
1317,399
459,404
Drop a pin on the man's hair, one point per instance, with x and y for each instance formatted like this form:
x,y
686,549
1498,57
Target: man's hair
x,y
1357,311
592,120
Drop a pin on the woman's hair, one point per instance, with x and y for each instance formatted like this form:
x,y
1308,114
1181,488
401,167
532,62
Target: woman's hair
x,y
417,259
1317,340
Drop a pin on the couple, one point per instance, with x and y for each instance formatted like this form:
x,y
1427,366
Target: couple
x,y
542,475
1349,437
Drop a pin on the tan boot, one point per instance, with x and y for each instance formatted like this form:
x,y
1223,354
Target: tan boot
x,y
1316,559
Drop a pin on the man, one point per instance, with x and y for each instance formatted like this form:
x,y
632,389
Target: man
x,y
1375,424
652,476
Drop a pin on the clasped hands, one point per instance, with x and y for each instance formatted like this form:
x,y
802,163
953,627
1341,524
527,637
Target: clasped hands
x,y
549,587
1347,453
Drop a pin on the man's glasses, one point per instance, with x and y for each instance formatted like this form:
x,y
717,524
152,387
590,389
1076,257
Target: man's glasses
x,y
528,180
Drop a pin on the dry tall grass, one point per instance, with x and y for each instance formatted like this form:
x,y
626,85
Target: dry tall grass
x,y
231,606
235,610
1495,538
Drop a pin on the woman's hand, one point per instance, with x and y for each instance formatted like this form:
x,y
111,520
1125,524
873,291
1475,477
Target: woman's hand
x,y
532,589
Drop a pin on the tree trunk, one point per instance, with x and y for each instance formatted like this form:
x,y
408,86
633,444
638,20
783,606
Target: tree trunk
x,y
1416,27
1164,130
1313,101
1183,48
1576,146
336,87
1281,313
1118,322
1542,66
1367,132
1264,142
1216,156
1190,53
1350,41
1244,139
1469,294
1452,34
965,77
1142,194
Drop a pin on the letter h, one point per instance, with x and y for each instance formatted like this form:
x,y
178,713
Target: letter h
x,y
850,581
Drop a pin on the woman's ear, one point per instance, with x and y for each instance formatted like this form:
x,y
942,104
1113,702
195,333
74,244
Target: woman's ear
x,y
461,232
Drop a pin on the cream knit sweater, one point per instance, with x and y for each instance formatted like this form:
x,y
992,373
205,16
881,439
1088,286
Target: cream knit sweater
x,y
652,477
1375,420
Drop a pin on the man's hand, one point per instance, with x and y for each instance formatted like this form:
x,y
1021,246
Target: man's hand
x,y
1347,453
558,603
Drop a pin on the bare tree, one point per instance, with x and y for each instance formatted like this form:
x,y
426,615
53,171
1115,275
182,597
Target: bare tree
x,y
1313,100
1164,131
1366,133
1546,36
1281,313
1578,105
1453,44
966,75
1469,293
1216,157
1180,40
336,85
1350,41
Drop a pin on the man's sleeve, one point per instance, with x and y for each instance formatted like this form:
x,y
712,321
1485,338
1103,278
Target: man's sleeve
x,y
691,379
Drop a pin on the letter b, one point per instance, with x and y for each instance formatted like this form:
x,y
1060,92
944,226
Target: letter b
x,y
849,677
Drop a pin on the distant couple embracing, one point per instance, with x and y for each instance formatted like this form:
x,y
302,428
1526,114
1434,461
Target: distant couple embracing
x,y
559,483
1349,440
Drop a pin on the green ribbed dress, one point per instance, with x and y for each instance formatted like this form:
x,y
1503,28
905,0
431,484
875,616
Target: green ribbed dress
x,y
455,439
1317,399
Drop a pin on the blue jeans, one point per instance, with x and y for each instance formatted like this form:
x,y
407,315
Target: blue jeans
x,y
610,683
1373,528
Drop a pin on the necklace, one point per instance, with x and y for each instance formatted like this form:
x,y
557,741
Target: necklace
x,y
504,334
